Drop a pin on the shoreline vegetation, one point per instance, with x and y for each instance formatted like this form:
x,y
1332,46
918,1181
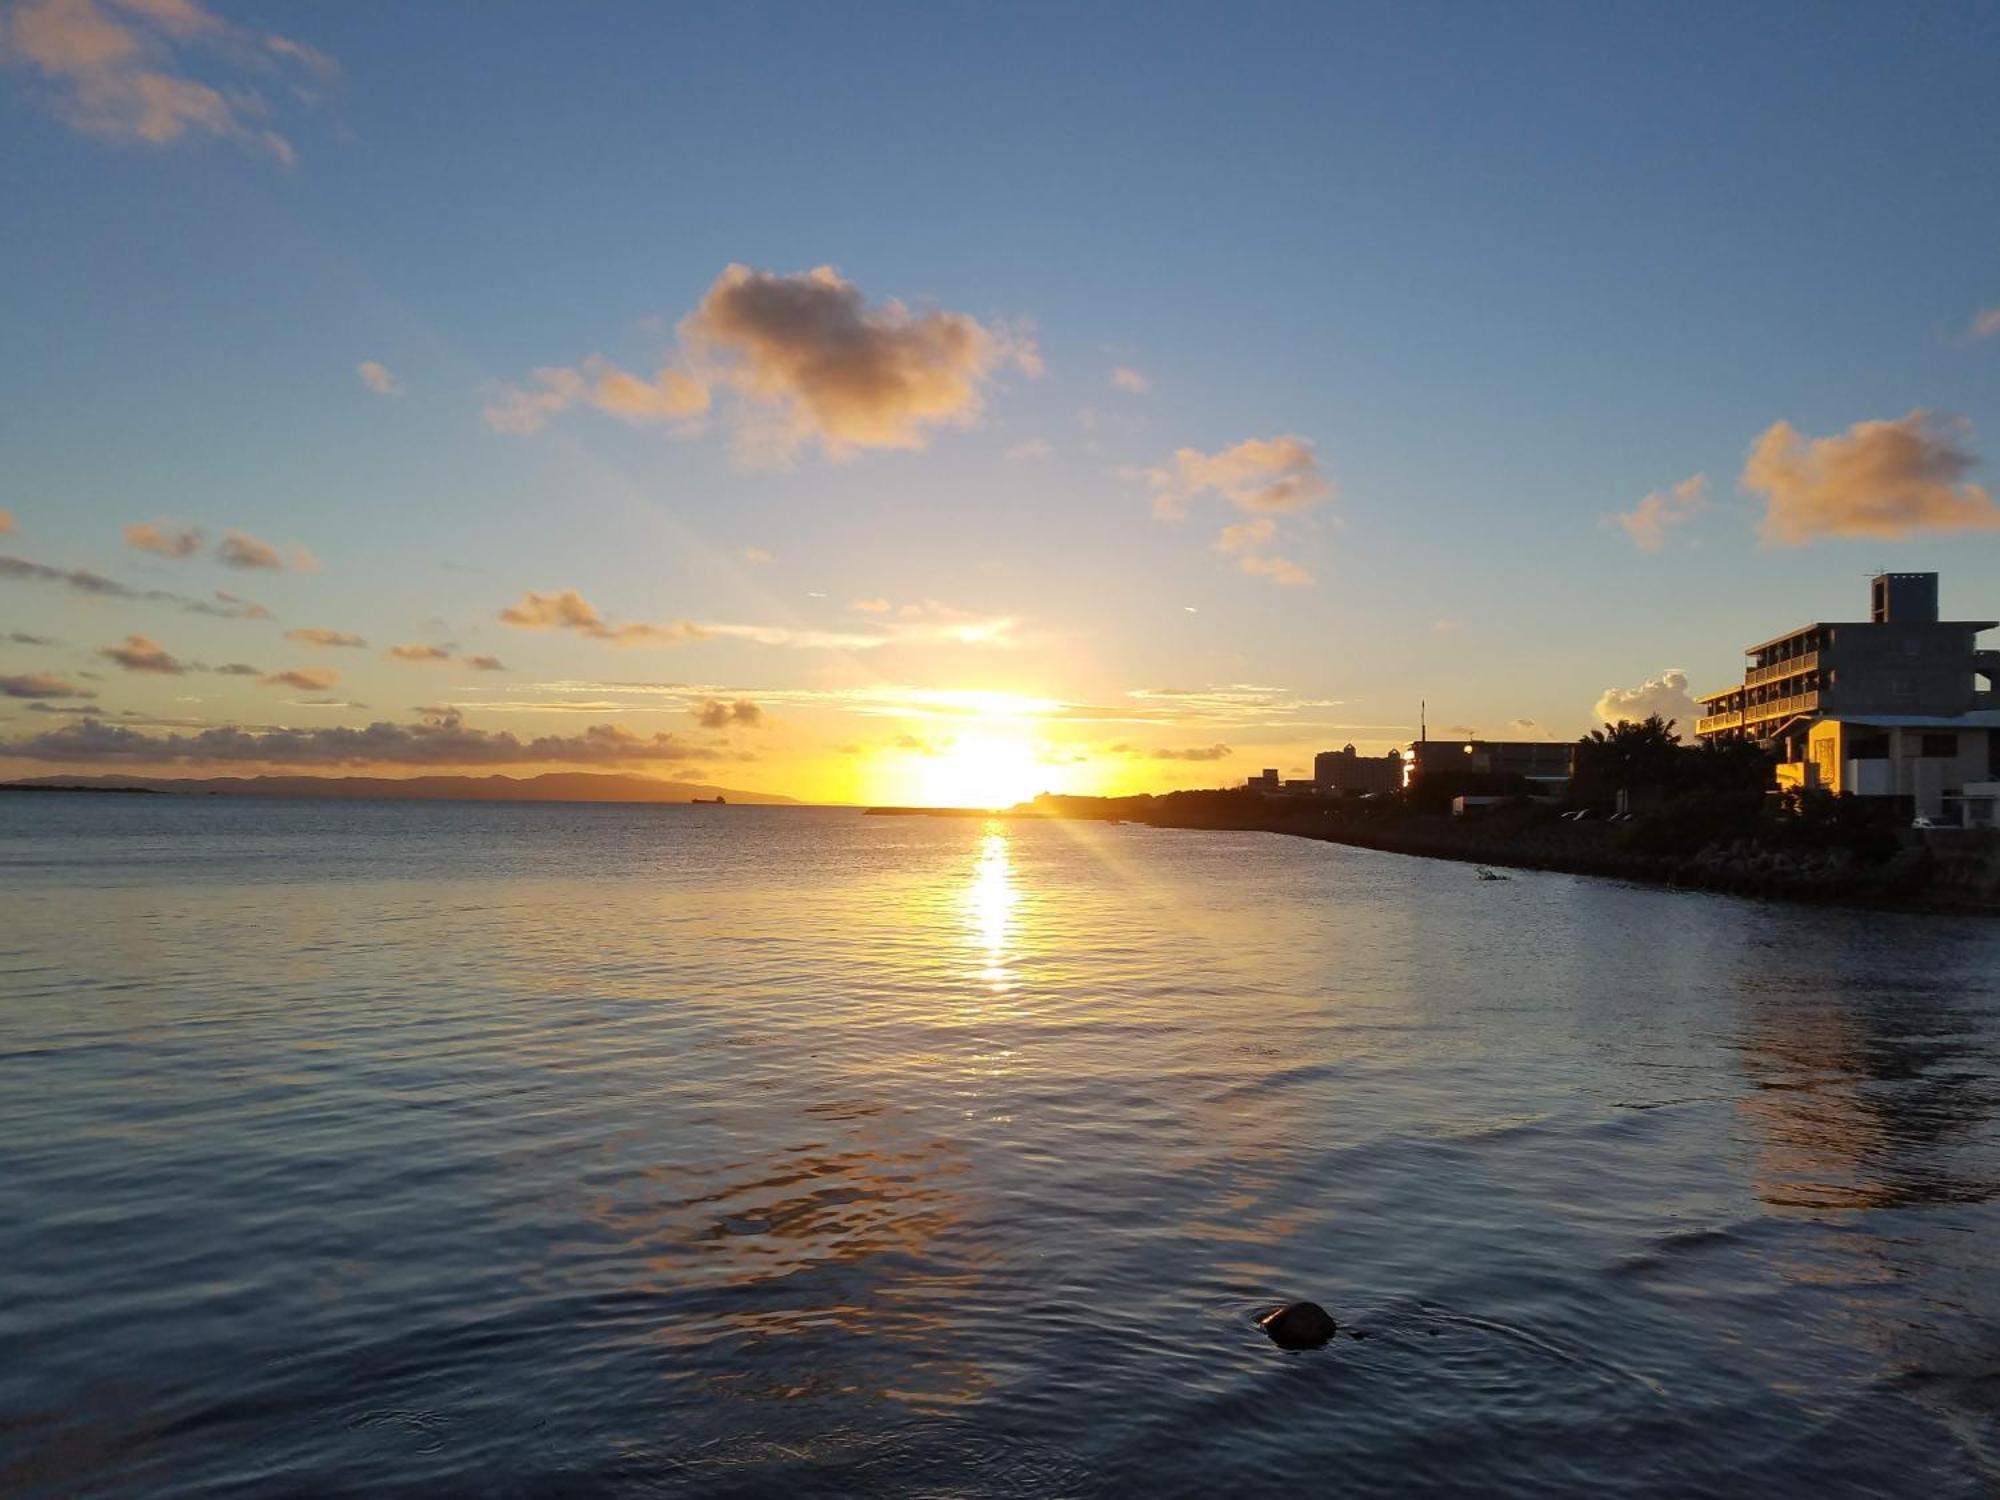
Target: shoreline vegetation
x,y
1638,805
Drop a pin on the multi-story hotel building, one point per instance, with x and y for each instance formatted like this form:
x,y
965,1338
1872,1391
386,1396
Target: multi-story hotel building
x,y
1893,705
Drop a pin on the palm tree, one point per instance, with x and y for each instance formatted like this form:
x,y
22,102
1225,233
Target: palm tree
x,y
1626,757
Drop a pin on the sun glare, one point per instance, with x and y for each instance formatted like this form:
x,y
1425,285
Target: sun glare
x,y
978,770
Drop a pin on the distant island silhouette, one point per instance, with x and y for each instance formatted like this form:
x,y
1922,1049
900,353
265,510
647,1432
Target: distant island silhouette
x,y
556,786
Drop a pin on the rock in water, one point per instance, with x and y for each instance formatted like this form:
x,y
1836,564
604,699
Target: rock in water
x,y
1298,1325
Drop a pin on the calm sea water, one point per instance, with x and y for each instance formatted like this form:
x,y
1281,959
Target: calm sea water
x,y
429,1149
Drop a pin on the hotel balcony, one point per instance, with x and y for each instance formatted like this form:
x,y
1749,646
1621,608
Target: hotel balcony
x,y
1781,708
1790,667
1757,713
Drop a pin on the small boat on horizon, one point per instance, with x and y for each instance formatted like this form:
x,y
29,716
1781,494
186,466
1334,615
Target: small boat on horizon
x,y
710,802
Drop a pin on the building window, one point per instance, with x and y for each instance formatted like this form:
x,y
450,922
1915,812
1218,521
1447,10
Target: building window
x,y
1868,747
1940,747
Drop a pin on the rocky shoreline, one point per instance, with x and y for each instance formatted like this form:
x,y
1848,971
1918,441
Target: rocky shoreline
x,y
1942,872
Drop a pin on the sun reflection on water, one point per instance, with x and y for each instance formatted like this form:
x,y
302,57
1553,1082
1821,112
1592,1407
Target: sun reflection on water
x,y
990,901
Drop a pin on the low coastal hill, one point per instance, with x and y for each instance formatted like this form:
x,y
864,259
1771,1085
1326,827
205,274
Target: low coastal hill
x,y
557,786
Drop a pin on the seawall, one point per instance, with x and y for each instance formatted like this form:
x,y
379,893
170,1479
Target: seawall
x,y
1929,872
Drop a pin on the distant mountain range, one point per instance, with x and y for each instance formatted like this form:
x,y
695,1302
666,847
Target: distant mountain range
x,y
557,786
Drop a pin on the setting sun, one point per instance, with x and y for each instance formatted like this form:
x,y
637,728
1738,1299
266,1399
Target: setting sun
x,y
975,770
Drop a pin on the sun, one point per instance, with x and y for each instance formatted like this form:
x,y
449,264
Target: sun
x,y
977,770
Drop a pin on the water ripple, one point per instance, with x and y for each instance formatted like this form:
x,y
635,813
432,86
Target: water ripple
x,y
416,1150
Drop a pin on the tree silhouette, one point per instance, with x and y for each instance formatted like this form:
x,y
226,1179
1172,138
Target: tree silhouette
x,y
1631,757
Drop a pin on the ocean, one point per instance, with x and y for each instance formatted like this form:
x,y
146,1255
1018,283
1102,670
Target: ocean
x,y
401,1149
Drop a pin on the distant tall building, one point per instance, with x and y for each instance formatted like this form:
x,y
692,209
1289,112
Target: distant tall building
x,y
1266,782
1347,771
1890,706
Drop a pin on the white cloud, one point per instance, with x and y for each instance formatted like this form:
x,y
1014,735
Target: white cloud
x,y
1241,703
139,654
97,586
158,539
807,359
523,411
672,395
1191,752
41,685
1246,535
1878,479
239,549
1279,570
157,71
1261,475
305,679
814,363
439,738
713,713
319,635
378,379
1984,324
1648,522
233,607
1264,476
964,630
569,610
1125,378
1666,695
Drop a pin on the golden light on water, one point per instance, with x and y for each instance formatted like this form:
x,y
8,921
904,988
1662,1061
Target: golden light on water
x,y
990,899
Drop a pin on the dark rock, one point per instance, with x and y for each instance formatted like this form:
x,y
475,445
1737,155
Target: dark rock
x,y
1298,1325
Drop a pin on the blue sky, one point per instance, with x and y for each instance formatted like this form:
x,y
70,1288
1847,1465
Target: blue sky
x,y
1507,269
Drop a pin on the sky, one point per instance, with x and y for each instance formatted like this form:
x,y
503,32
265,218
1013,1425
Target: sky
x,y
946,404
